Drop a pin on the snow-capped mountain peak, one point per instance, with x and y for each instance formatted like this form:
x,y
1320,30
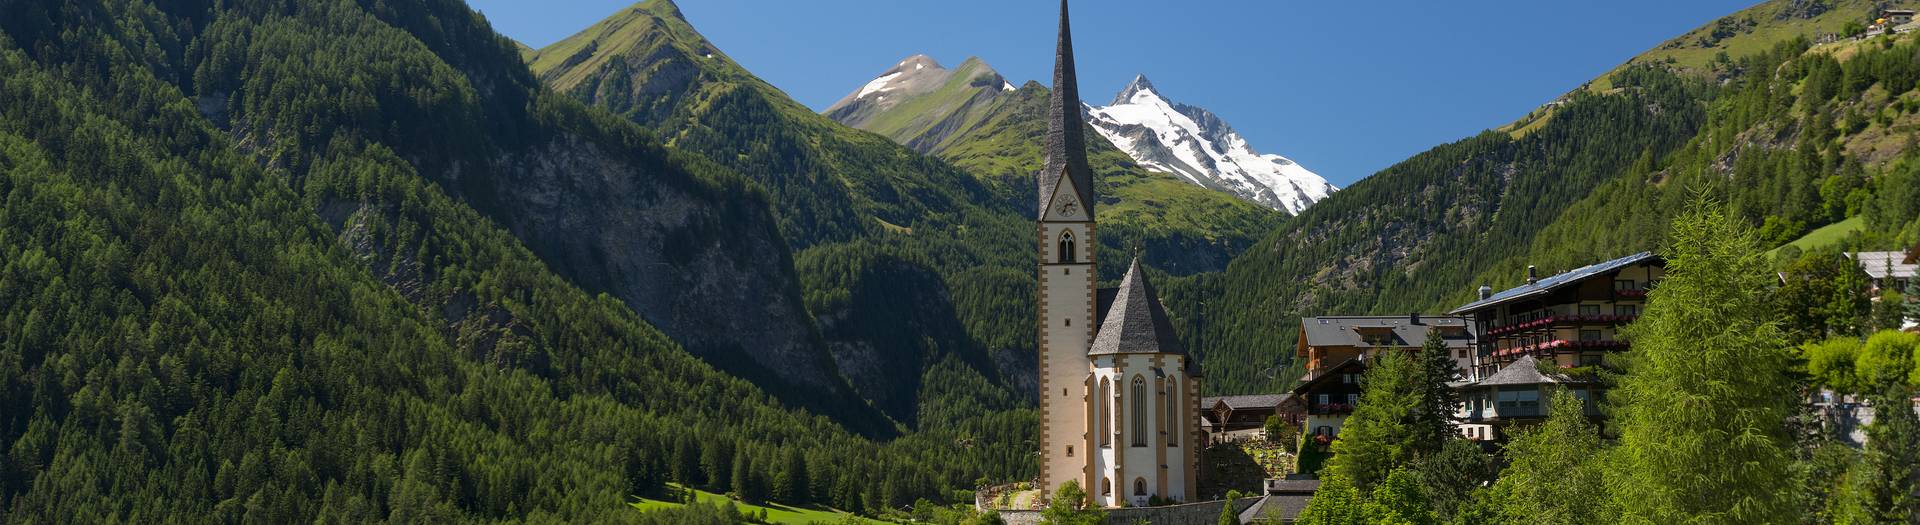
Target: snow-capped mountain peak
x,y
1197,146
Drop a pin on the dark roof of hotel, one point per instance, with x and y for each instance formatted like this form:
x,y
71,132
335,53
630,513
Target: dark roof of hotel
x,y
1556,282
1339,330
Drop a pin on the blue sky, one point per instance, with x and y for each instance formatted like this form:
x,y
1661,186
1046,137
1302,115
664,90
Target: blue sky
x,y
1344,88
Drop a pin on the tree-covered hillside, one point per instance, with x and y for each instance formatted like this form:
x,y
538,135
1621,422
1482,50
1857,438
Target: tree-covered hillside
x,y
1402,239
878,231
280,262
1793,137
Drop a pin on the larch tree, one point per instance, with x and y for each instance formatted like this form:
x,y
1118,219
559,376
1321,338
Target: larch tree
x,y
1381,434
1704,403
1554,477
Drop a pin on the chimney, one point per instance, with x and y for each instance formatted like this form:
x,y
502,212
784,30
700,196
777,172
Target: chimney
x,y
1533,274
1413,318
1486,291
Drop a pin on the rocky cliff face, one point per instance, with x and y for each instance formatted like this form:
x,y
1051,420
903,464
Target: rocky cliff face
x,y
707,269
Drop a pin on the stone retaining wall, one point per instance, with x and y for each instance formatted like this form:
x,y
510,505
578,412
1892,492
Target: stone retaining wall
x,y
1203,513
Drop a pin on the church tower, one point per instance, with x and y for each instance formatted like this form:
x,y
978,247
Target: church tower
x,y
1066,280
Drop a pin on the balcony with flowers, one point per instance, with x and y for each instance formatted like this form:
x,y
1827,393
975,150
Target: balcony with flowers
x,y
1322,409
1557,345
1558,319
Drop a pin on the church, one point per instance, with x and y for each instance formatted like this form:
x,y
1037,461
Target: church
x,y
1119,396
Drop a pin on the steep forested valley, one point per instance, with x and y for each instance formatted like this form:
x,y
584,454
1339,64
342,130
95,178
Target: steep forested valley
x,y
369,260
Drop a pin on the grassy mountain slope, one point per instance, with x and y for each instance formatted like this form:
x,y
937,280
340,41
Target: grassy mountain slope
x,y
264,261
1712,49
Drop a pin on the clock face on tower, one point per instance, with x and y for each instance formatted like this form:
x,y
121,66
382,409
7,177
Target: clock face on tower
x,y
1069,207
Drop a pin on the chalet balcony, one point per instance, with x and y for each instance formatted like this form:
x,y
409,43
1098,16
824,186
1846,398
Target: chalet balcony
x,y
1330,409
1559,345
1635,293
1561,320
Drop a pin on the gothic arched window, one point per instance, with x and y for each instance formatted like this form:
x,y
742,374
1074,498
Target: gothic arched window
x,y
1172,412
1106,486
1139,412
1103,413
1068,250
1139,486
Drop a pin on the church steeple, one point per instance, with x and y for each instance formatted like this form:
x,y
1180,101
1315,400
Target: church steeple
x,y
1066,132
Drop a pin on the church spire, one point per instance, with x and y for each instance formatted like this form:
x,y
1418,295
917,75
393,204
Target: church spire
x,y
1066,133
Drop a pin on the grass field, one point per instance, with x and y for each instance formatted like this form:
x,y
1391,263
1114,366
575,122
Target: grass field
x,y
1825,236
776,513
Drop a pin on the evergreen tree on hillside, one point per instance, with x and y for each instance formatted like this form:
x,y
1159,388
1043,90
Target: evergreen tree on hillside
x,y
790,485
1555,477
1382,433
1822,296
1438,400
1913,299
1879,487
1704,402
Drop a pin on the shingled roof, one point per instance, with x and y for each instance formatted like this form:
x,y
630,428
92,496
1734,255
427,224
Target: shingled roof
x,y
1066,132
1525,371
1135,323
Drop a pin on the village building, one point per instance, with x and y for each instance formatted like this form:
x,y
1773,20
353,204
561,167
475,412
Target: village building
x,y
1516,397
1119,396
1886,270
1336,350
1569,320
1545,334
1228,419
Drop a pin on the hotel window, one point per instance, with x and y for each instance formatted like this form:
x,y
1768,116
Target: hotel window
x,y
1589,309
1626,284
1324,399
1589,359
1626,310
1589,335
1353,399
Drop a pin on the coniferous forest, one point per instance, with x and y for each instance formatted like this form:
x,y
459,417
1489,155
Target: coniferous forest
x,y
348,261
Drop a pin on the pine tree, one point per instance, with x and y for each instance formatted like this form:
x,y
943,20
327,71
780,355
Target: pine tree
x,y
743,478
1554,477
1704,401
717,461
790,485
1879,487
1381,434
1913,299
686,460
1438,400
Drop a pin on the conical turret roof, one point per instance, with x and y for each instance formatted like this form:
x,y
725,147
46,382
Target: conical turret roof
x,y
1136,323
